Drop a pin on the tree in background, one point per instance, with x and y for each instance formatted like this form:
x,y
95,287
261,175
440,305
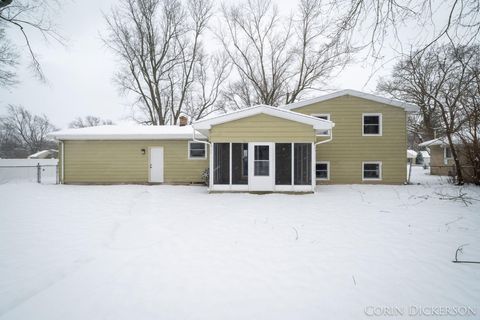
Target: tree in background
x,y
89,121
158,43
22,133
276,59
444,82
24,16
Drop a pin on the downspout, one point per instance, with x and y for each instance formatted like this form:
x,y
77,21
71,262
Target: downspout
x,y
328,140
63,162
210,157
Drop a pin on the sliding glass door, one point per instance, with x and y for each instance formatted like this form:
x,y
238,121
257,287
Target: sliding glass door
x,y
302,164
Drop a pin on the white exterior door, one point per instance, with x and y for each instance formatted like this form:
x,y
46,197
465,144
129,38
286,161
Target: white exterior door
x,y
261,166
156,165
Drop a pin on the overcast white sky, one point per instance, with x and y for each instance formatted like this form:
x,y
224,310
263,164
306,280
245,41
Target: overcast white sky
x,y
79,76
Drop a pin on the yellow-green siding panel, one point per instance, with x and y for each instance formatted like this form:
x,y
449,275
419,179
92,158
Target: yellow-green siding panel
x,y
123,162
349,148
262,128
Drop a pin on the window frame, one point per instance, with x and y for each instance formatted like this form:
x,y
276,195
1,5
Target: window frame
x,y
328,170
318,115
380,124
380,176
197,158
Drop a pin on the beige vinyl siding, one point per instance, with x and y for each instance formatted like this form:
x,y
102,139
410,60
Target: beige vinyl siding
x,y
349,148
123,162
262,128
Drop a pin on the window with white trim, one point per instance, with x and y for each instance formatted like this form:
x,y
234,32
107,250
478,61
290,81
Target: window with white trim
x,y
196,150
322,170
372,170
324,116
372,124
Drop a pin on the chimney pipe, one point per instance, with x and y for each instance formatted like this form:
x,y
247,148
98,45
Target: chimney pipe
x,y
183,121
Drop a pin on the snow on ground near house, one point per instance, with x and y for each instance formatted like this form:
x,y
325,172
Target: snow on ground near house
x,y
176,252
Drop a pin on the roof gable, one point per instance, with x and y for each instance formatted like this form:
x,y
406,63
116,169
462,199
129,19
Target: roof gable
x,y
316,123
349,92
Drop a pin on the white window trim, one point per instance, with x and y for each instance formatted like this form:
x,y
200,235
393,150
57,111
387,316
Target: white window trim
x,y
445,153
328,118
372,162
380,123
196,158
328,171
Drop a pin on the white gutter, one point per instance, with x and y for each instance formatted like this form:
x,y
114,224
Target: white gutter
x,y
328,140
63,162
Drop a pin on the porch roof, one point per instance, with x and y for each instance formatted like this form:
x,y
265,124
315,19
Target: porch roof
x,y
317,124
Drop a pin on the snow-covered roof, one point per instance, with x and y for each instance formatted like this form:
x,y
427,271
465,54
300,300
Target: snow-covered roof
x,y
134,132
349,92
317,123
411,154
433,142
41,154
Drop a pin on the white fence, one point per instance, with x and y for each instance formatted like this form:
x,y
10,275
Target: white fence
x,y
35,170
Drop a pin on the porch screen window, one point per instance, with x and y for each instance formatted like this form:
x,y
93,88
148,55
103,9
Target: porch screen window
x,y
221,163
239,163
283,163
371,170
372,124
261,161
302,163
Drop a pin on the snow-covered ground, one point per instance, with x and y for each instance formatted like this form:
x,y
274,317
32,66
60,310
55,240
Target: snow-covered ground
x,y
176,252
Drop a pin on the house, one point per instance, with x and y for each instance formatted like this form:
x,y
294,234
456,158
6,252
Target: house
x,y
344,137
44,154
441,160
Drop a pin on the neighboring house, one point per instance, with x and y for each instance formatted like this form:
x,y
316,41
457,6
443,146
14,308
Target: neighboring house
x,y
441,160
343,137
44,154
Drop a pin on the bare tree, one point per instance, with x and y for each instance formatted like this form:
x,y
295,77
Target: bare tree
x,y
89,121
24,16
205,96
25,130
435,21
277,58
440,81
158,43
411,80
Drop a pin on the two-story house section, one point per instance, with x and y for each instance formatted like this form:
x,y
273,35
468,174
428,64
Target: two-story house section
x,y
369,141
344,137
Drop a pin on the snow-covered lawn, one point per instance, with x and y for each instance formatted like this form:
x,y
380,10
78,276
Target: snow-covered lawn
x,y
176,252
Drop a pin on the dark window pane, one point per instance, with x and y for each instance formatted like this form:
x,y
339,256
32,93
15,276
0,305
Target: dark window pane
x,y
448,152
371,170
262,167
221,163
283,163
302,163
371,120
321,170
239,163
371,124
197,153
197,150
262,152
371,129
